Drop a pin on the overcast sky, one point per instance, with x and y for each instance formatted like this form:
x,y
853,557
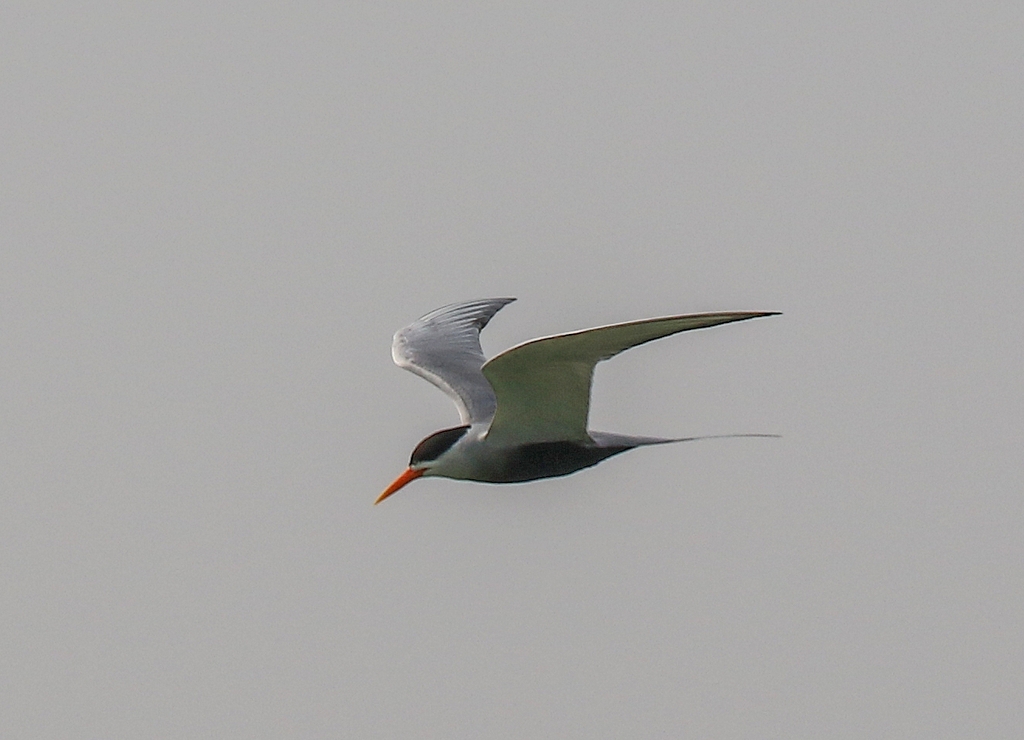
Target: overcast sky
x,y
214,216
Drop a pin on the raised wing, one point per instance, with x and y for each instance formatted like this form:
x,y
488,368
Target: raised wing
x,y
444,348
543,386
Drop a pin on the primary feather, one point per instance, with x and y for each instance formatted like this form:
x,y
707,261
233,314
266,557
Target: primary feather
x,y
444,348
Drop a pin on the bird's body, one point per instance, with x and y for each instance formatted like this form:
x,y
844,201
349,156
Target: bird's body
x,y
524,412
473,457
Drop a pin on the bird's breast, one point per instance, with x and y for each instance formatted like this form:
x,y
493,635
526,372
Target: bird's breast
x,y
478,461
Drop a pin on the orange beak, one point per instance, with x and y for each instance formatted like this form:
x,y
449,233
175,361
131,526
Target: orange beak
x,y
407,477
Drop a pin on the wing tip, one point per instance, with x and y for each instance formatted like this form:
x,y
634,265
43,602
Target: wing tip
x,y
757,314
744,315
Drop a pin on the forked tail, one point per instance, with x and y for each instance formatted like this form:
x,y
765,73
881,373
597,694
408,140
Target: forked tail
x,y
609,439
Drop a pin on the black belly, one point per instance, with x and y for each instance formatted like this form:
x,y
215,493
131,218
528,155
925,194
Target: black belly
x,y
552,459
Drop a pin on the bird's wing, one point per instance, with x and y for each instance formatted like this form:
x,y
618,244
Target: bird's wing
x,y
543,386
444,348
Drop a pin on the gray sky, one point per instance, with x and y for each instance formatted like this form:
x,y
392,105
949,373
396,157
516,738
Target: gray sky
x,y
214,216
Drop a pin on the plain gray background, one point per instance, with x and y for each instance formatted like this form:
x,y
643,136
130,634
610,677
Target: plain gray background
x,y
214,216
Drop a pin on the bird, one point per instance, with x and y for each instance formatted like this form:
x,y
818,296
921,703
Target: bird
x,y
523,412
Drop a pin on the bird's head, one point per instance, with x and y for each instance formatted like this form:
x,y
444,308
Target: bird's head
x,y
425,458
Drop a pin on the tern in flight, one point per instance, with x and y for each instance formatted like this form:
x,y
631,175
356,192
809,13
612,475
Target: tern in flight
x,y
524,412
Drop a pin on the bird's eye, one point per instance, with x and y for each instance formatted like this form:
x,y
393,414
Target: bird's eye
x,y
436,445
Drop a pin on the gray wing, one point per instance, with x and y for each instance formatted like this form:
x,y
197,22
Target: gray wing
x,y
444,348
543,386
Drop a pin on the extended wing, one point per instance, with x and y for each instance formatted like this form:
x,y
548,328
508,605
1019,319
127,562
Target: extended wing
x,y
543,386
444,348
